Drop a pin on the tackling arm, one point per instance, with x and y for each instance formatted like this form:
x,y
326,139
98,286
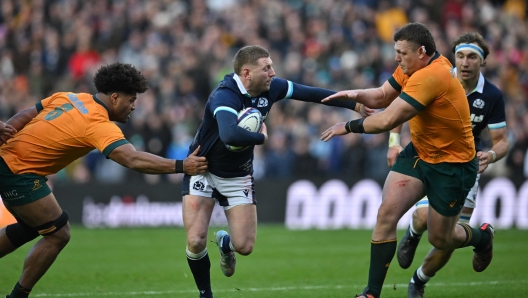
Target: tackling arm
x,y
395,114
398,112
127,156
22,118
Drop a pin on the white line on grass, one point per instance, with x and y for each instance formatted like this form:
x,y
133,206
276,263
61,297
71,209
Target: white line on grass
x,y
460,284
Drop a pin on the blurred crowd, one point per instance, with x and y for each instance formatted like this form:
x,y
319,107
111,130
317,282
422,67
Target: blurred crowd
x,y
185,48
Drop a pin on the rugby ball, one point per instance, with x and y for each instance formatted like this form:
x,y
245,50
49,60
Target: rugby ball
x,y
249,119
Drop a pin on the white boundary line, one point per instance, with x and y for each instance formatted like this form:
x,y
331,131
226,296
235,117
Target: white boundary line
x,y
276,289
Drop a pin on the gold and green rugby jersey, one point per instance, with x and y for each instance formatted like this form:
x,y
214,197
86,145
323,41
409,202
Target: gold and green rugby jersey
x,y
441,131
68,126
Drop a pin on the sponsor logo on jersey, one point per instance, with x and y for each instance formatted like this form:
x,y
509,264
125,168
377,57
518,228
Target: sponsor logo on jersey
x,y
477,118
262,102
478,103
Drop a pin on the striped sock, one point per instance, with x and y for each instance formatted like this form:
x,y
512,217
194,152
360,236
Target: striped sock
x,y
419,278
19,292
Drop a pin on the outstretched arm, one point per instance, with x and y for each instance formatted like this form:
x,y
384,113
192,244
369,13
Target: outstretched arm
x,y
22,118
375,98
395,114
127,156
316,95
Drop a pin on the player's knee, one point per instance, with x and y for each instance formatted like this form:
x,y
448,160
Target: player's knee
x,y
246,249
386,217
57,230
196,242
438,242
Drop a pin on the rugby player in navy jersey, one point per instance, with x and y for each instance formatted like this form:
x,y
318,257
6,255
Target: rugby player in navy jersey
x,y
487,110
229,180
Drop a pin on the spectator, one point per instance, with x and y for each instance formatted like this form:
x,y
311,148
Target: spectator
x,y
182,46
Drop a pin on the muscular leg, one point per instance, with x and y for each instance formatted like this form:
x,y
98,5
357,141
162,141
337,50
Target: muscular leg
x,y
242,221
6,247
45,251
400,193
436,259
444,233
197,212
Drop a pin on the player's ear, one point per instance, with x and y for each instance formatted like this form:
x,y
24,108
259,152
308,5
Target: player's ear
x,y
113,98
423,51
245,73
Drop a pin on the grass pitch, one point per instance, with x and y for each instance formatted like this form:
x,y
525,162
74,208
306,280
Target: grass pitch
x,y
151,263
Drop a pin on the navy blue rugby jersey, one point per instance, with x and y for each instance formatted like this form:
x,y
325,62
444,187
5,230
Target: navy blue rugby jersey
x,y
486,105
219,122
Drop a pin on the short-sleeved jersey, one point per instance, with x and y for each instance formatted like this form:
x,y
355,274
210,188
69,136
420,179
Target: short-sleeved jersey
x,y
441,131
230,95
486,105
68,126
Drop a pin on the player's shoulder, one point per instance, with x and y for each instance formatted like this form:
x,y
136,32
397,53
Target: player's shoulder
x,y
439,73
491,91
439,67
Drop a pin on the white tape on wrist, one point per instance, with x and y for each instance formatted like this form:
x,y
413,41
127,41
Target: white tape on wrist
x,y
493,155
394,139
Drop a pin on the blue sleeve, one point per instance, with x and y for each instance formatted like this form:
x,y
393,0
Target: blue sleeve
x,y
230,133
310,94
498,115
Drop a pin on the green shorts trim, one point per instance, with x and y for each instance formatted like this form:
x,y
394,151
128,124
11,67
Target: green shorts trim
x,y
21,189
446,184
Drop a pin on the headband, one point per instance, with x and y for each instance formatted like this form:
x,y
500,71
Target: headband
x,y
470,47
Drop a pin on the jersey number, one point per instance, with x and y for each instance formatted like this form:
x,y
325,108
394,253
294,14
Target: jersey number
x,y
58,111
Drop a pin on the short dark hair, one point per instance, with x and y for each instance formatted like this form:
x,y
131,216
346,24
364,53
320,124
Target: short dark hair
x,y
248,55
471,37
120,77
418,34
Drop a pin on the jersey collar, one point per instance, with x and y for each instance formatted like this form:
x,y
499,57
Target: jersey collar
x,y
435,56
101,103
240,85
480,85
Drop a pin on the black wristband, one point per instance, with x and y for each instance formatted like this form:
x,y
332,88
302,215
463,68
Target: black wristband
x,y
179,166
347,127
355,126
